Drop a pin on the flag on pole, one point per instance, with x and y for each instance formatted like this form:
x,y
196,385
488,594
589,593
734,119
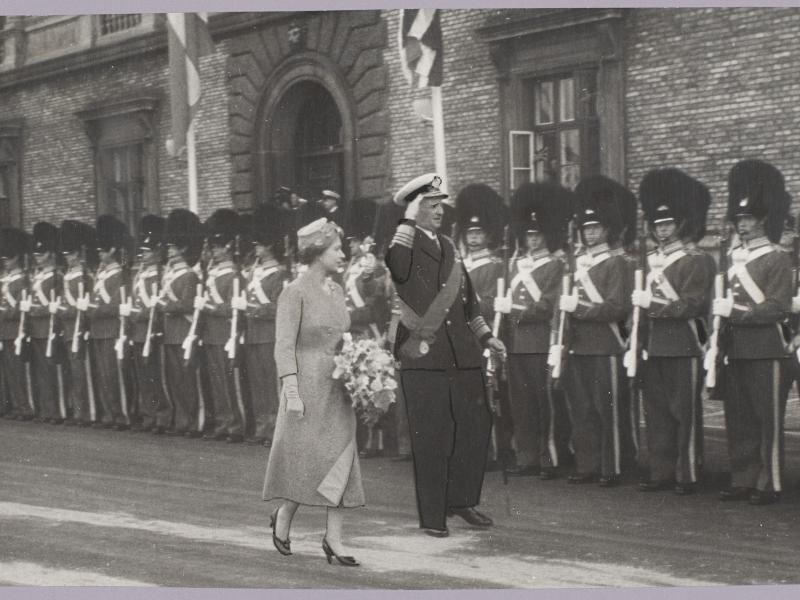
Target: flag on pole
x,y
420,43
189,39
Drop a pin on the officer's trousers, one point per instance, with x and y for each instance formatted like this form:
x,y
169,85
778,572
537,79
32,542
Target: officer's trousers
x,y
671,388
450,425
592,387
754,411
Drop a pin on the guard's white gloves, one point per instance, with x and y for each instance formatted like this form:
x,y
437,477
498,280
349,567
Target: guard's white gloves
x,y
722,307
642,298
568,303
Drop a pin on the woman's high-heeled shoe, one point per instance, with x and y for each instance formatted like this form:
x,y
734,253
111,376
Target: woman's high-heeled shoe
x,y
282,546
345,561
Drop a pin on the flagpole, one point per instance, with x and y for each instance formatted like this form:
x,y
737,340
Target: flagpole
x,y
192,166
438,135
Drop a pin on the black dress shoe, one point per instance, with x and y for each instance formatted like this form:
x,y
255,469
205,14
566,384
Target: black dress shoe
x,y
402,458
371,453
254,441
684,489
548,473
656,485
582,478
610,481
25,417
267,443
174,432
192,434
438,533
522,470
762,497
136,428
472,516
121,427
157,430
234,438
732,494
216,437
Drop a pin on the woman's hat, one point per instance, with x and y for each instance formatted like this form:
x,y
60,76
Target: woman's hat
x,y
319,234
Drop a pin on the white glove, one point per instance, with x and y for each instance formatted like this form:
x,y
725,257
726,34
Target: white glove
x,y
25,305
200,302
413,208
125,309
554,355
368,263
82,303
53,307
502,304
796,304
291,393
642,298
722,307
568,303
239,302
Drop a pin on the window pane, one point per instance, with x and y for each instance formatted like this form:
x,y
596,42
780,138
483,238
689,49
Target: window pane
x,y
566,99
570,157
546,157
521,151
520,176
544,103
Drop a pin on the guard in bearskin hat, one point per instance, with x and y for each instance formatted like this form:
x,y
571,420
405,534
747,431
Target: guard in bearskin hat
x,y
540,214
14,246
676,292
760,296
439,342
77,245
149,407
599,302
110,291
223,284
481,216
45,326
180,284
264,280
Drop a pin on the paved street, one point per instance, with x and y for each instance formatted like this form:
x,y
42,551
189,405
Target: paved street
x,y
96,507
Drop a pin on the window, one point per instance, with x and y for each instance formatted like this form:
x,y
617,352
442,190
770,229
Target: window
x,y
5,196
122,183
10,172
114,23
562,144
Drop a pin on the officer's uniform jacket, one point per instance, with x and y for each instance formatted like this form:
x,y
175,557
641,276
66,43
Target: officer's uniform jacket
x,y
146,277
42,283
760,278
535,286
105,301
600,279
484,270
420,265
178,289
265,281
71,294
217,314
12,284
363,294
679,283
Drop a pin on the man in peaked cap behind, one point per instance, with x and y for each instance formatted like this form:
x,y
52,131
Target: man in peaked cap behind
x,y
540,215
676,292
16,375
183,239
480,218
149,405
104,324
76,244
265,280
757,370
439,344
598,304
223,230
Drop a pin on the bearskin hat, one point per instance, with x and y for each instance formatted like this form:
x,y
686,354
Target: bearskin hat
x,y
151,231
267,226
672,194
111,232
13,242
478,205
45,237
223,226
757,188
183,229
75,235
603,200
545,207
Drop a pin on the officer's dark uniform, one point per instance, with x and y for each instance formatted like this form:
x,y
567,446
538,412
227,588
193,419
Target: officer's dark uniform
x,y
444,386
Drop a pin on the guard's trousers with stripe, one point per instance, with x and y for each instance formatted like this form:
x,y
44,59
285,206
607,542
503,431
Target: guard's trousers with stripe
x,y
152,404
15,380
48,382
109,387
592,387
81,398
755,405
225,390
183,389
671,388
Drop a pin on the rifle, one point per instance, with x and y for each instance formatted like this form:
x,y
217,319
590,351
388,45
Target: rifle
x,y
631,359
20,339
230,346
191,337
120,345
76,333
555,358
710,362
491,367
150,319
50,331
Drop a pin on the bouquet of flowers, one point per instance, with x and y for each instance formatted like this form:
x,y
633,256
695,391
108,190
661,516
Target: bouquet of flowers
x,y
368,373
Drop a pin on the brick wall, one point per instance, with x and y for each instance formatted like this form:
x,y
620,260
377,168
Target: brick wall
x,y
470,102
57,169
708,87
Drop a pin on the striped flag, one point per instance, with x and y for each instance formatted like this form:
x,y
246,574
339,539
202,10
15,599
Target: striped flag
x,y
420,43
189,39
